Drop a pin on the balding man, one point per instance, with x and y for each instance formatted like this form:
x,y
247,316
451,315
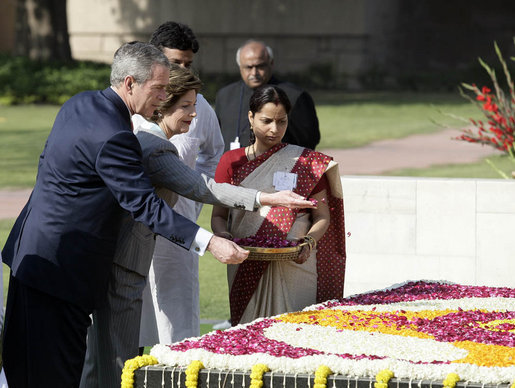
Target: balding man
x,y
255,60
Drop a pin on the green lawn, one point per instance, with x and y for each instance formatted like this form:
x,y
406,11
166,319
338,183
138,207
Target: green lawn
x,y
23,130
353,120
346,120
5,227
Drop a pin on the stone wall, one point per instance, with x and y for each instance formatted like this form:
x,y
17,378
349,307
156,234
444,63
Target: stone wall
x,y
301,32
352,43
459,230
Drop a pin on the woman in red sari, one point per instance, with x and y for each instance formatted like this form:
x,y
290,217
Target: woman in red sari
x,y
262,288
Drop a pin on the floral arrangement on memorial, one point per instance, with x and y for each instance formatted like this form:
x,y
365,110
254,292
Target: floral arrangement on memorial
x,y
421,330
498,108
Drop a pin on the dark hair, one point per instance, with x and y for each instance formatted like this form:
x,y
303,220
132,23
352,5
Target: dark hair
x,y
268,93
262,96
174,35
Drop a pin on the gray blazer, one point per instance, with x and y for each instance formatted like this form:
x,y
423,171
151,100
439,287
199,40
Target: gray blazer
x,y
168,174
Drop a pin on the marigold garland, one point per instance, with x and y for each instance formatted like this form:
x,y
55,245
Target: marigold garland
x,y
131,365
256,375
472,326
382,378
192,373
371,321
451,380
321,376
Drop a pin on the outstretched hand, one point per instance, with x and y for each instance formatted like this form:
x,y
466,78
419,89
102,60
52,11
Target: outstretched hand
x,y
286,198
226,251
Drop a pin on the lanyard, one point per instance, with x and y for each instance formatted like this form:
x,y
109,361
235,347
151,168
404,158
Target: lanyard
x,y
239,111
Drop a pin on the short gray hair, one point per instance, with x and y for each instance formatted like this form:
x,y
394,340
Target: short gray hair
x,y
268,49
136,59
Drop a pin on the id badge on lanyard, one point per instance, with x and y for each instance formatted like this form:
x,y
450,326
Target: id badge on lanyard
x,y
235,144
284,180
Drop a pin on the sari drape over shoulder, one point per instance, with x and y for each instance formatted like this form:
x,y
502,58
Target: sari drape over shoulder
x,y
260,288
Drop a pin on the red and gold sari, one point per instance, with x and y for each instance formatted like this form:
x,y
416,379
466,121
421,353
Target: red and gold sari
x,y
259,288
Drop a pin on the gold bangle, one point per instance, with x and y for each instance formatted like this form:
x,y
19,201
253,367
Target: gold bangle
x,y
311,241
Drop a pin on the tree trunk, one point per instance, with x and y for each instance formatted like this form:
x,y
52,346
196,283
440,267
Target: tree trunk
x,y
42,30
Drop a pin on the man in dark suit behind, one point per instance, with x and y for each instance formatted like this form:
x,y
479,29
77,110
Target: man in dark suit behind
x,y
61,247
255,61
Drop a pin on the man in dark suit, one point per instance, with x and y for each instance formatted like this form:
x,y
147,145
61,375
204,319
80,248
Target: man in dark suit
x,y
255,61
61,247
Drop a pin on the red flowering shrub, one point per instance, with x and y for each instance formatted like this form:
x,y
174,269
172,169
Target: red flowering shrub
x,y
497,130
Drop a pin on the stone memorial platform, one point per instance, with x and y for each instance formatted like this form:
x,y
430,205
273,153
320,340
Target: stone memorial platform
x,y
168,377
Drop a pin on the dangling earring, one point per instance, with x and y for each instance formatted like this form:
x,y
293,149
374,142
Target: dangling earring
x,y
252,136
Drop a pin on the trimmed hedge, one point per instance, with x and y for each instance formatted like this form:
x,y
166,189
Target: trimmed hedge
x,y
25,81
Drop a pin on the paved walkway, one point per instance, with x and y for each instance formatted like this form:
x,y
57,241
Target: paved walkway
x,y
416,151
12,201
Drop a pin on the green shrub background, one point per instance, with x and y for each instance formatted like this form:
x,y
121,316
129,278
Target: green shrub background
x,y
24,81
